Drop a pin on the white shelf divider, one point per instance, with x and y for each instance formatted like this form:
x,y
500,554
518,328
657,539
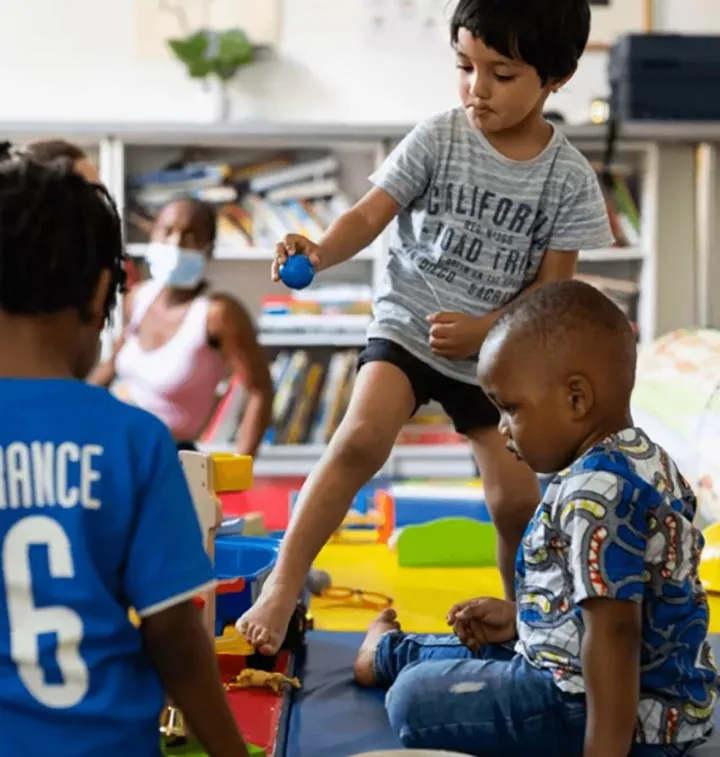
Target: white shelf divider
x,y
612,255
227,251
409,460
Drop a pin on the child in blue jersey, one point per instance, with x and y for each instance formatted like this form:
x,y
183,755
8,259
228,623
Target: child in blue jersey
x,y
484,202
95,514
604,653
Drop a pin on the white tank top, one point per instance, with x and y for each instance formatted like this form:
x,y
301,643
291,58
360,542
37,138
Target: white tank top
x,y
178,380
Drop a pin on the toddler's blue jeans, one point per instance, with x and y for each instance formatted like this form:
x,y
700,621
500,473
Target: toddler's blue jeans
x,y
491,704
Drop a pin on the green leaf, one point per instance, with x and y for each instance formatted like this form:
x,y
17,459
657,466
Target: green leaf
x,y
189,48
208,53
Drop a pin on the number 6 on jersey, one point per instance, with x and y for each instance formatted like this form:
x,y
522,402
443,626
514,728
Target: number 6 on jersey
x,y
28,622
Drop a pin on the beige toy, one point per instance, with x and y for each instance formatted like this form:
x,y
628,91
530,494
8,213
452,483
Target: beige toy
x,y
261,679
207,476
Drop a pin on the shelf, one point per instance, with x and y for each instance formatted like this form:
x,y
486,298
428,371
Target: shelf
x,y
674,132
224,251
611,255
408,461
339,339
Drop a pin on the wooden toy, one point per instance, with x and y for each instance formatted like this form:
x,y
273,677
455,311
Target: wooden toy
x,y
207,475
250,678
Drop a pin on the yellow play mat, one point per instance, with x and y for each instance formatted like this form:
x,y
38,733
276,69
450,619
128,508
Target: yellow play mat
x,y
421,596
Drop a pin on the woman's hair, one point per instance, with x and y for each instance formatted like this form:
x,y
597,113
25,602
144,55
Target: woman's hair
x,y
549,35
49,150
57,234
206,215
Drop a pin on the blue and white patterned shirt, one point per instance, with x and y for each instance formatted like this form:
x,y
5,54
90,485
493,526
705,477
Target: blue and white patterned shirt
x,y
619,524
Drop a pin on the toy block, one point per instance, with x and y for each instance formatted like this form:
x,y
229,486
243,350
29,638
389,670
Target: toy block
x,y
231,473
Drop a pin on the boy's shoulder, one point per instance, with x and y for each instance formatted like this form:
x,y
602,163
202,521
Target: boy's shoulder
x,y
632,460
114,415
443,127
570,157
571,161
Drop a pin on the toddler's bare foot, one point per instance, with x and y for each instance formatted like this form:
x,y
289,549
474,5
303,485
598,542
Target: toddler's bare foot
x,y
364,668
265,624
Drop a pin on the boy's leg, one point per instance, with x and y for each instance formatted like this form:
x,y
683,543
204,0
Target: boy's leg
x,y
493,708
386,651
512,491
387,390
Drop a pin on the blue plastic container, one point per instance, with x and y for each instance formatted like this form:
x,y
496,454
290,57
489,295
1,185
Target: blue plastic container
x,y
248,557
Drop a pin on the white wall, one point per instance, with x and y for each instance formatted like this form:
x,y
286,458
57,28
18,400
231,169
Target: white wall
x,y
75,60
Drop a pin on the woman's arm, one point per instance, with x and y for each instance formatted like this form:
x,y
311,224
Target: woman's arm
x,y
230,326
104,373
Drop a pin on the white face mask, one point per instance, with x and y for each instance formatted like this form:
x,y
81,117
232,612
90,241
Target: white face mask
x,y
175,266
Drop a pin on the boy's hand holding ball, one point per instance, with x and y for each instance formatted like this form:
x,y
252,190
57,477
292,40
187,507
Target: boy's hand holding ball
x,y
296,261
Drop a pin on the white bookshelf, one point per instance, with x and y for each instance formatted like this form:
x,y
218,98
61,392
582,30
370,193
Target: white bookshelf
x,y
668,265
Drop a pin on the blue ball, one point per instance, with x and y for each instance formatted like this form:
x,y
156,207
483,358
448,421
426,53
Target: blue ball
x,y
297,272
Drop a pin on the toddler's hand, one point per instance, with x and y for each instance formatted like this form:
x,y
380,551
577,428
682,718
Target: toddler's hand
x,y
483,621
295,244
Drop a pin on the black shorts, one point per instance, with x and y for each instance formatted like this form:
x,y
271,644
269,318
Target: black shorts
x,y
467,405
186,445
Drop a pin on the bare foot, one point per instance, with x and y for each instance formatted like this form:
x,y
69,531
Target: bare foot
x,y
364,668
265,624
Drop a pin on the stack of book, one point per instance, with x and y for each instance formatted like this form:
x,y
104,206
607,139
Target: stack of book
x,y
328,309
312,392
257,204
311,396
622,209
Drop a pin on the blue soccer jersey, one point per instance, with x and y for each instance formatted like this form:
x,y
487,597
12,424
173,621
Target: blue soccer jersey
x,y
95,517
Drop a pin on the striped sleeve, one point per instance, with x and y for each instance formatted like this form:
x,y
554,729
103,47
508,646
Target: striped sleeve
x,y
582,222
406,173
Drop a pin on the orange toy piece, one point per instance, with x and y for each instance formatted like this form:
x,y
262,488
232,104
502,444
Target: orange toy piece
x,y
381,517
249,678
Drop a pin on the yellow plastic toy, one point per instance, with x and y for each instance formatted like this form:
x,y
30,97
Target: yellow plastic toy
x,y
710,562
232,643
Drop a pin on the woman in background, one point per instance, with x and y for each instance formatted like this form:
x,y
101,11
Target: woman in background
x,y
180,341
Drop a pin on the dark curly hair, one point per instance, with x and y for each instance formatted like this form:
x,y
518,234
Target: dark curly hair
x,y
549,35
58,233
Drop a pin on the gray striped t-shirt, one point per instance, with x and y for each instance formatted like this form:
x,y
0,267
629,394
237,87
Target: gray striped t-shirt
x,y
474,227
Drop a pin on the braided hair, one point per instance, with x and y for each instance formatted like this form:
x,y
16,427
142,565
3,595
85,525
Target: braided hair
x,y
58,233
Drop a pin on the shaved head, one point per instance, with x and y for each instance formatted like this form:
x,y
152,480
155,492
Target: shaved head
x,y
559,364
574,326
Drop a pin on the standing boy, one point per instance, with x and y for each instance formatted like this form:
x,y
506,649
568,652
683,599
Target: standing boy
x,y
486,201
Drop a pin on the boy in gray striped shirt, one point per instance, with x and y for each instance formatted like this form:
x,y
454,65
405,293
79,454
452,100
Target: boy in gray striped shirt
x,y
485,201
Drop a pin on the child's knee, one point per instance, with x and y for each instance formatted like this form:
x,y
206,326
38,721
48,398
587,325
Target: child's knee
x,y
362,444
404,706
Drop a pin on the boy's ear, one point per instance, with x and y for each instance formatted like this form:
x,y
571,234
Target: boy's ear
x,y
557,84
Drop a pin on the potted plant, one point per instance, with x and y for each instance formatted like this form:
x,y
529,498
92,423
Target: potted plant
x,y
214,57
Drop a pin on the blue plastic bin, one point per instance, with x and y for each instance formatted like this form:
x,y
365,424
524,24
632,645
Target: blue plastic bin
x,y
248,557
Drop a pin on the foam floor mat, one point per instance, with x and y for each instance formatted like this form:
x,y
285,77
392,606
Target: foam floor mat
x,y
332,717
